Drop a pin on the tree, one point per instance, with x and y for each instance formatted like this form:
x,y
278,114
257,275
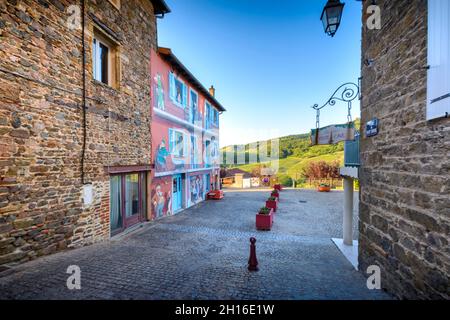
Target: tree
x,y
321,170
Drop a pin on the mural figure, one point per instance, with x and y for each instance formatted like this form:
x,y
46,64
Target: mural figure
x,y
214,148
196,189
168,204
161,156
158,201
159,90
179,92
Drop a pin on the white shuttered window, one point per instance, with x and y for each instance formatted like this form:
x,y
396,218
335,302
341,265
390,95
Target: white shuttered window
x,y
438,85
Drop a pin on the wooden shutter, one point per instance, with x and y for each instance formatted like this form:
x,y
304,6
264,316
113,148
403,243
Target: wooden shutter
x,y
438,82
184,95
171,141
172,86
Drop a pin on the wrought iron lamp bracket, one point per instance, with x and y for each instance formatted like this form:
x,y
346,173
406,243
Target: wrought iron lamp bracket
x,y
346,93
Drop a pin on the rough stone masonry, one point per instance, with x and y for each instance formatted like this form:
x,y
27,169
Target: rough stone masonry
x,y
41,121
405,170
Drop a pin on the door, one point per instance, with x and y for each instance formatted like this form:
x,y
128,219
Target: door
x,y
177,192
132,204
128,195
207,183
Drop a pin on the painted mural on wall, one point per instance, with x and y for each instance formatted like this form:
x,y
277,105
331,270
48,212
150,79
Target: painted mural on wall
x,y
185,136
159,92
161,198
190,142
196,189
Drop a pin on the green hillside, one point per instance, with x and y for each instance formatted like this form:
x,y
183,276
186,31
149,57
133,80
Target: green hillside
x,y
293,166
295,154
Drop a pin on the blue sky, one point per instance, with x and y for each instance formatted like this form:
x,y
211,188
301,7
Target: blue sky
x,y
270,61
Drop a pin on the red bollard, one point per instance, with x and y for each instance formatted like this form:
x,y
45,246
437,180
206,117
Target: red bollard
x,y
252,261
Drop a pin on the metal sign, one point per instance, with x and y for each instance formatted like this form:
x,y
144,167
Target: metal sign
x,y
333,134
372,128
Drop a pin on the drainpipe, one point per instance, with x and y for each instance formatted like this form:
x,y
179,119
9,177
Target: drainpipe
x,y
348,211
83,149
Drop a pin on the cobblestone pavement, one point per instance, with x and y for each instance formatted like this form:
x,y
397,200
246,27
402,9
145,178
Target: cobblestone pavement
x,y
202,254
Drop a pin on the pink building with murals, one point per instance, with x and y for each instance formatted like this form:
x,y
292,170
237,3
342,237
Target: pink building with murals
x,y
185,137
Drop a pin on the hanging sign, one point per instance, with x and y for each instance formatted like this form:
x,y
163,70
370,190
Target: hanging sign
x,y
333,134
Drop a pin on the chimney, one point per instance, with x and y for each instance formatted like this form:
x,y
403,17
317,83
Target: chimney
x,y
212,91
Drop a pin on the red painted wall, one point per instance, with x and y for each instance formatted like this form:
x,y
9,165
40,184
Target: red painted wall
x,y
166,116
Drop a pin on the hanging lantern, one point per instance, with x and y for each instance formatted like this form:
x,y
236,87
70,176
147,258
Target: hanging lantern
x,y
331,16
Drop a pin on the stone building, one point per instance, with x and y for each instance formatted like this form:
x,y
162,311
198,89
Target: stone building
x,y
405,169
68,125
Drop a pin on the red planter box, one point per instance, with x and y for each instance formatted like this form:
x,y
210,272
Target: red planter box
x,y
276,196
272,204
264,221
215,195
278,187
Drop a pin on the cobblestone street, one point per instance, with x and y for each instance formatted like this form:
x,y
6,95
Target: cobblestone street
x,y
202,253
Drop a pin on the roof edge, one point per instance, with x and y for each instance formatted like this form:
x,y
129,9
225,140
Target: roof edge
x,y
160,7
168,55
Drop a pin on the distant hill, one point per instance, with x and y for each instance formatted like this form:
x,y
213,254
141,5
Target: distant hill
x,y
296,153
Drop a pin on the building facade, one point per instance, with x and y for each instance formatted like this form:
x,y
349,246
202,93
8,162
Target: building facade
x,y
75,132
185,136
405,168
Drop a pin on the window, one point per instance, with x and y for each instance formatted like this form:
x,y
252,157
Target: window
x,y
211,155
178,91
438,85
207,158
176,143
212,116
208,114
101,61
104,59
215,117
128,195
194,152
194,114
115,200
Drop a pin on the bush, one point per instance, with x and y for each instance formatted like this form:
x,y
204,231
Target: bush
x,y
264,210
272,199
285,181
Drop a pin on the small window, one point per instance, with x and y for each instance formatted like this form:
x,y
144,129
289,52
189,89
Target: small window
x,y
178,91
104,59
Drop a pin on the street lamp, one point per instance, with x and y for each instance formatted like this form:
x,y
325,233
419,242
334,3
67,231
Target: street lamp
x,y
331,16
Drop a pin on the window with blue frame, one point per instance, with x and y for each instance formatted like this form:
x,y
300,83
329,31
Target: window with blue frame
x,y
215,119
177,91
207,159
211,117
194,152
208,110
176,143
193,104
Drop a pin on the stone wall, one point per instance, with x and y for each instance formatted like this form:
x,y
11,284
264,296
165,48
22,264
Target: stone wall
x,y
41,121
405,173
